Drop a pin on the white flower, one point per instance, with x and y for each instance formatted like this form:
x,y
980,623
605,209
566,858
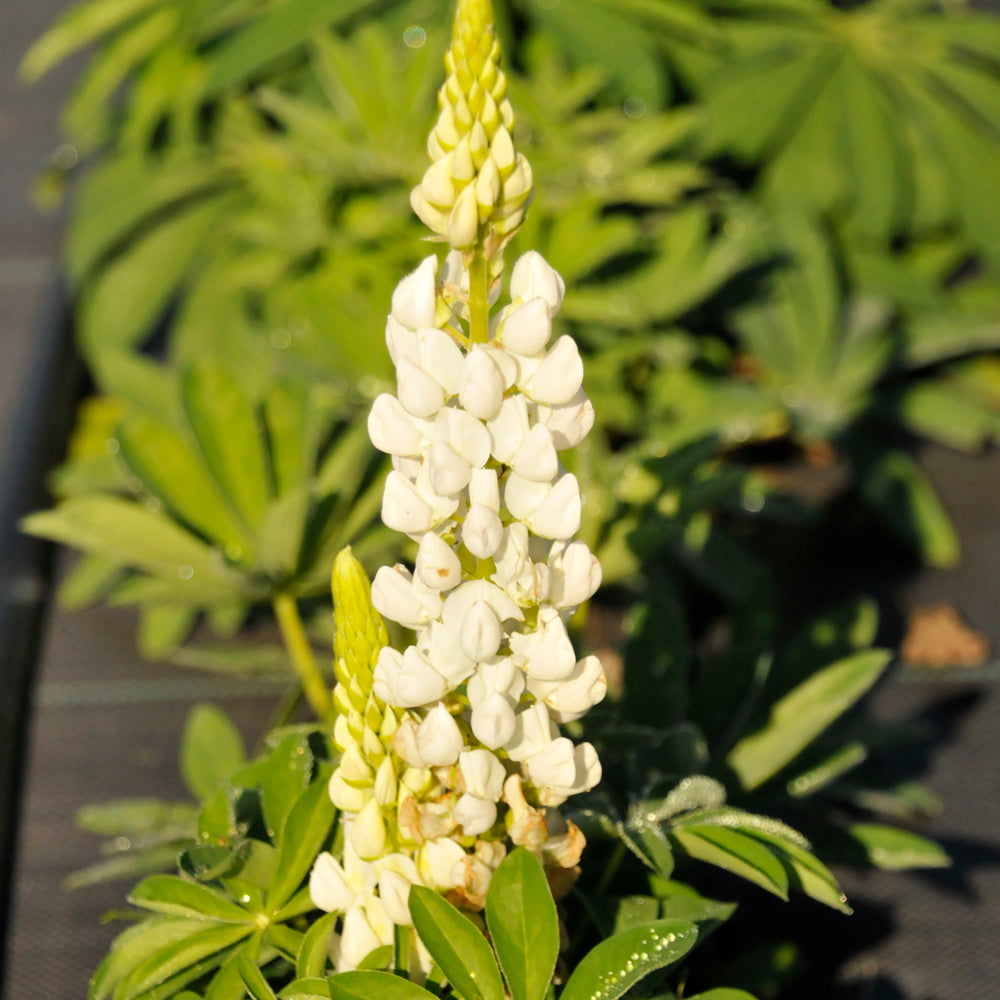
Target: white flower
x,y
443,648
527,329
394,430
448,472
437,860
465,434
406,679
481,633
437,564
359,938
546,653
559,377
493,721
569,422
536,457
482,531
484,489
420,394
533,277
574,574
336,888
482,386
413,301
508,428
549,510
439,739
533,731
482,773
395,597
576,694
475,815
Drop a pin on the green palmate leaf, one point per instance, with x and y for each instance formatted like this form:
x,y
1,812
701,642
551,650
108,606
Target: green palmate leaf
x,y
314,954
635,911
130,865
78,27
367,985
195,952
253,979
227,983
293,431
801,715
302,837
618,963
122,305
230,438
211,862
736,852
806,872
135,817
126,531
523,925
305,989
163,628
892,848
178,897
286,776
457,946
171,470
211,750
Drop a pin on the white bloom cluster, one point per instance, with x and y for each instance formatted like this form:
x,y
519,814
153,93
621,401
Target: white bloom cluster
x,y
475,435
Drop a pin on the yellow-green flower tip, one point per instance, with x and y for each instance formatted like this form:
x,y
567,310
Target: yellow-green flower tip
x,y
359,632
477,187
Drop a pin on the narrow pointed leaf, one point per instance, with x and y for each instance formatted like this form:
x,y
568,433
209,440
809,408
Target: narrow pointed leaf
x,y
895,849
734,852
369,985
618,963
170,894
523,925
456,945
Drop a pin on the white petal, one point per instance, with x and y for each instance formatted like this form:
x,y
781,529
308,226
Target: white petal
x,y
527,329
546,653
536,459
508,428
393,429
465,434
533,731
570,698
475,815
438,738
481,389
394,597
413,301
558,378
482,773
328,886
461,599
505,361
482,531
436,861
523,496
569,422
558,515
447,471
441,358
575,574
484,489
417,682
394,891
357,940
533,277
403,509
401,341
444,650
493,721
481,633
418,392
500,676
553,765
437,563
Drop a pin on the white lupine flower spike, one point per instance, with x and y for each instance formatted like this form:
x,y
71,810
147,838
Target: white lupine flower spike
x,y
451,750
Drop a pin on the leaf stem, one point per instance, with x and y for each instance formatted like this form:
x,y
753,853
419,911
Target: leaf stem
x,y
479,299
294,635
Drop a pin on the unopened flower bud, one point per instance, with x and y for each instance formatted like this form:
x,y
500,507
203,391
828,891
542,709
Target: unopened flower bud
x,y
413,300
368,831
482,531
527,329
533,277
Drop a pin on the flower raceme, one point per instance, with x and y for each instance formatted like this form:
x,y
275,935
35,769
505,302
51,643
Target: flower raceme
x,y
451,748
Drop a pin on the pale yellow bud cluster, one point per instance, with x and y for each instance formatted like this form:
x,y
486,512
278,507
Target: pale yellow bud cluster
x,y
371,782
478,188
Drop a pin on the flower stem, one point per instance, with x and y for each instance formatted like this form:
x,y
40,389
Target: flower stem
x,y
479,299
294,635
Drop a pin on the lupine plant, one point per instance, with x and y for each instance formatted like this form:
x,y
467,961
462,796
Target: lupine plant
x,y
426,834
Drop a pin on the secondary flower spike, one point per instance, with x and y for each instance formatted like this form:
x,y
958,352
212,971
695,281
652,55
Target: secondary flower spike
x,y
478,187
